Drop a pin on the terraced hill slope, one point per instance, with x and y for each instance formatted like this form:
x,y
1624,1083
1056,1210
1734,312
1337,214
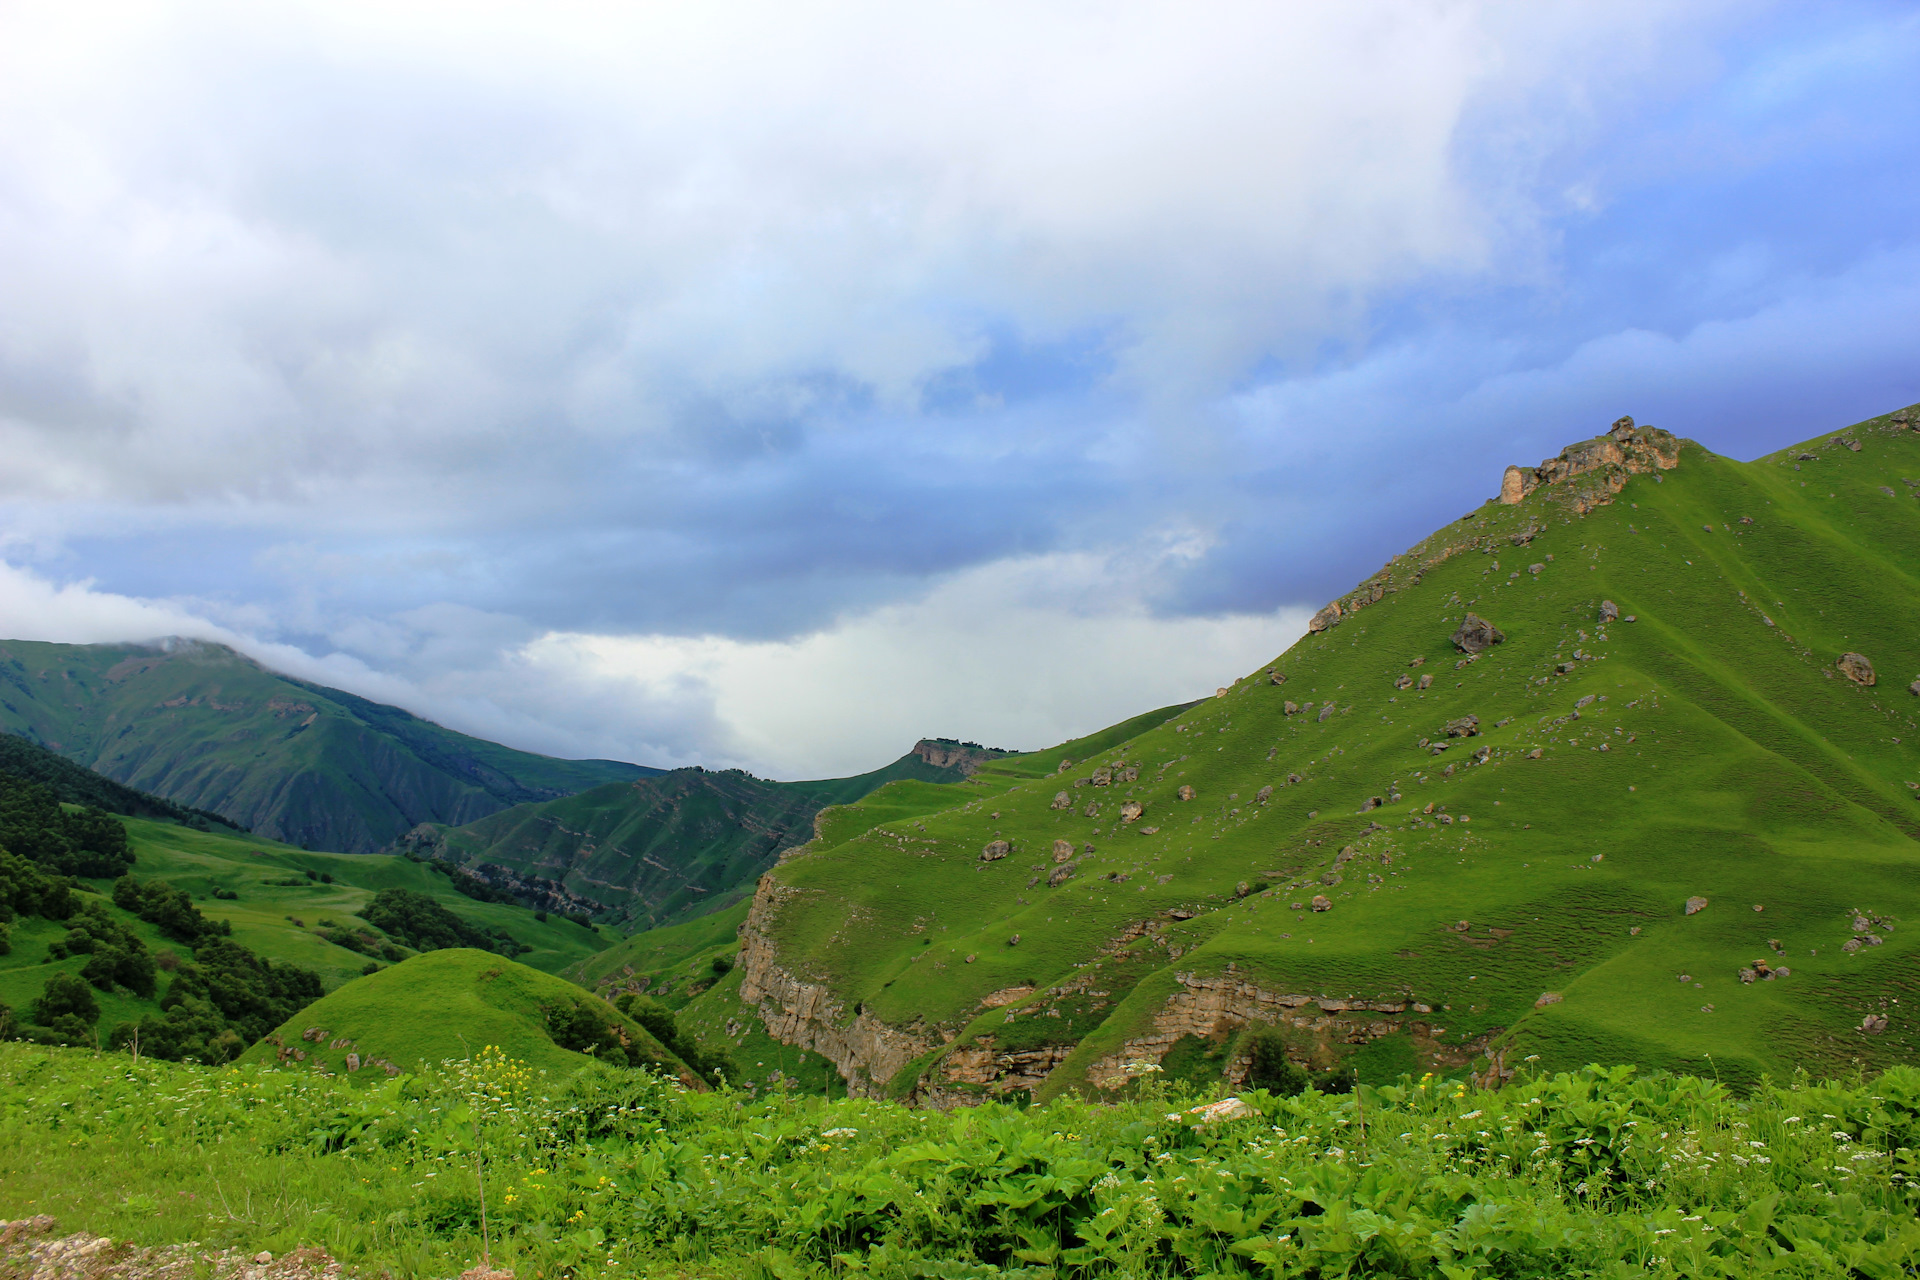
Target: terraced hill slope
x,y
453,1004
1662,810
200,725
657,850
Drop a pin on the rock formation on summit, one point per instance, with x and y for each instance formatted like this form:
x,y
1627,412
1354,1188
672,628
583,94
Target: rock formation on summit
x,y
1624,451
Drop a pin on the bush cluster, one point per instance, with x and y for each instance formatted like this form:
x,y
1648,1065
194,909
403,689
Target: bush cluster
x,y
90,842
715,1066
420,922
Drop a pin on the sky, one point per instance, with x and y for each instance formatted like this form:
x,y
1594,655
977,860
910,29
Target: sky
x,y
771,385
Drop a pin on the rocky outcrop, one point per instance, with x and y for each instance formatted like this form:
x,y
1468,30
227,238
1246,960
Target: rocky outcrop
x,y
1210,1007
1857,668
1476,635
866,1051
1602,465
944,753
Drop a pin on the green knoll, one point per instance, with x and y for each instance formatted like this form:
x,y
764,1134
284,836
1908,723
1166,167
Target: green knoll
x,y
201,726
1666,819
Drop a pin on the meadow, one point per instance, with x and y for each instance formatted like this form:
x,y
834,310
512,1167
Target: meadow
x,y
607,1173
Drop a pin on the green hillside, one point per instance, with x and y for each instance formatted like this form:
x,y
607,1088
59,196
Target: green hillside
x,y
452,1004
653,851
204,727
283,904
1684,837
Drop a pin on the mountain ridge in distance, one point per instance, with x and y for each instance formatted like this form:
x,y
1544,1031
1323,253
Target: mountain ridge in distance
x,y
203,726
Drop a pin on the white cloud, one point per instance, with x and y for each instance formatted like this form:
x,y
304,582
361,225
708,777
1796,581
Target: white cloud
x,y
388,263
1020,654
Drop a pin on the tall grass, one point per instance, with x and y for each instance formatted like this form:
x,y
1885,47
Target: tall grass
x,y
606,1174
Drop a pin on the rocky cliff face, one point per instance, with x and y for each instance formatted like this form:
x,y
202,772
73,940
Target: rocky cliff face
x,y
1212,1008
866,1051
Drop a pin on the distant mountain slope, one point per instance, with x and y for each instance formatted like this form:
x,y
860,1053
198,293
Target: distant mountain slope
x,y
71,783
205,727
656,850
1670,815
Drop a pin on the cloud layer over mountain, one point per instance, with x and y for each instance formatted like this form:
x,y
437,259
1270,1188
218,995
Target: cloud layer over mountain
x,y
766,384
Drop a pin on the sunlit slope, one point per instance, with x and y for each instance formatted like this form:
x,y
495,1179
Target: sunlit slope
x,y
1723,755
656,850
203,726
451,1005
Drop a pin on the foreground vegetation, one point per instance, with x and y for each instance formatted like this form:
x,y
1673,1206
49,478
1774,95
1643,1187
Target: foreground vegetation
x,y
1599,1172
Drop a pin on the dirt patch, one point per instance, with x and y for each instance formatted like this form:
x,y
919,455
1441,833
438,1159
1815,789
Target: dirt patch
x,y
29,1250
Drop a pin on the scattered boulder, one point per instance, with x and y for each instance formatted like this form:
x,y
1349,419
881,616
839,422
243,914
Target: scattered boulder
x,y
1426,681
1420,661
1536,569
1263,795
996,850
1242,889
1131,811
1914,688
1347,854
1403,681
1218,1112
1014,941
1277,677
1547,998
1062,850
1747,976
1061,800
970,957
1292,708
1371,803
1856,667
1321,902
1874,1024
1326,712
1476,635
1129,774
1327,617
1062,874
1103,776
1186,792
1464,727
1221,692
1330,879
1695,905
1609,611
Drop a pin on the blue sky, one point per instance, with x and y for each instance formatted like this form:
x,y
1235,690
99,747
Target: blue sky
x,y
774,384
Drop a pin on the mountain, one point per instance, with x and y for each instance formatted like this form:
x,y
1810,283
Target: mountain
x,y
70,783
657,850
206,728
1618,767
376,1024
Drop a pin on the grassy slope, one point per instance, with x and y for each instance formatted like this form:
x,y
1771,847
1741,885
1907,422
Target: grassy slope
x,y
658,850
200,725
675,964
264,915
476,999
1740,767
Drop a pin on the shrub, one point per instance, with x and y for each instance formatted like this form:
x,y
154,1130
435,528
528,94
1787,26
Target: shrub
x,y
1270,1068
422,923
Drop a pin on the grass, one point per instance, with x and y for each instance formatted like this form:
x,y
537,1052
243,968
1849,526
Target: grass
x,y
441,1006
1710,748
598,1173
278,913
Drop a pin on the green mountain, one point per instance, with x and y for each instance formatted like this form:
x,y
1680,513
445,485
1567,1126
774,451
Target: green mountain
x,y
657,850
201,726
452,1005
1619,766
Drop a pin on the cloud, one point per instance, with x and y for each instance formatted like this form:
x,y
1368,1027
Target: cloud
x,y
1043,650
1022,653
